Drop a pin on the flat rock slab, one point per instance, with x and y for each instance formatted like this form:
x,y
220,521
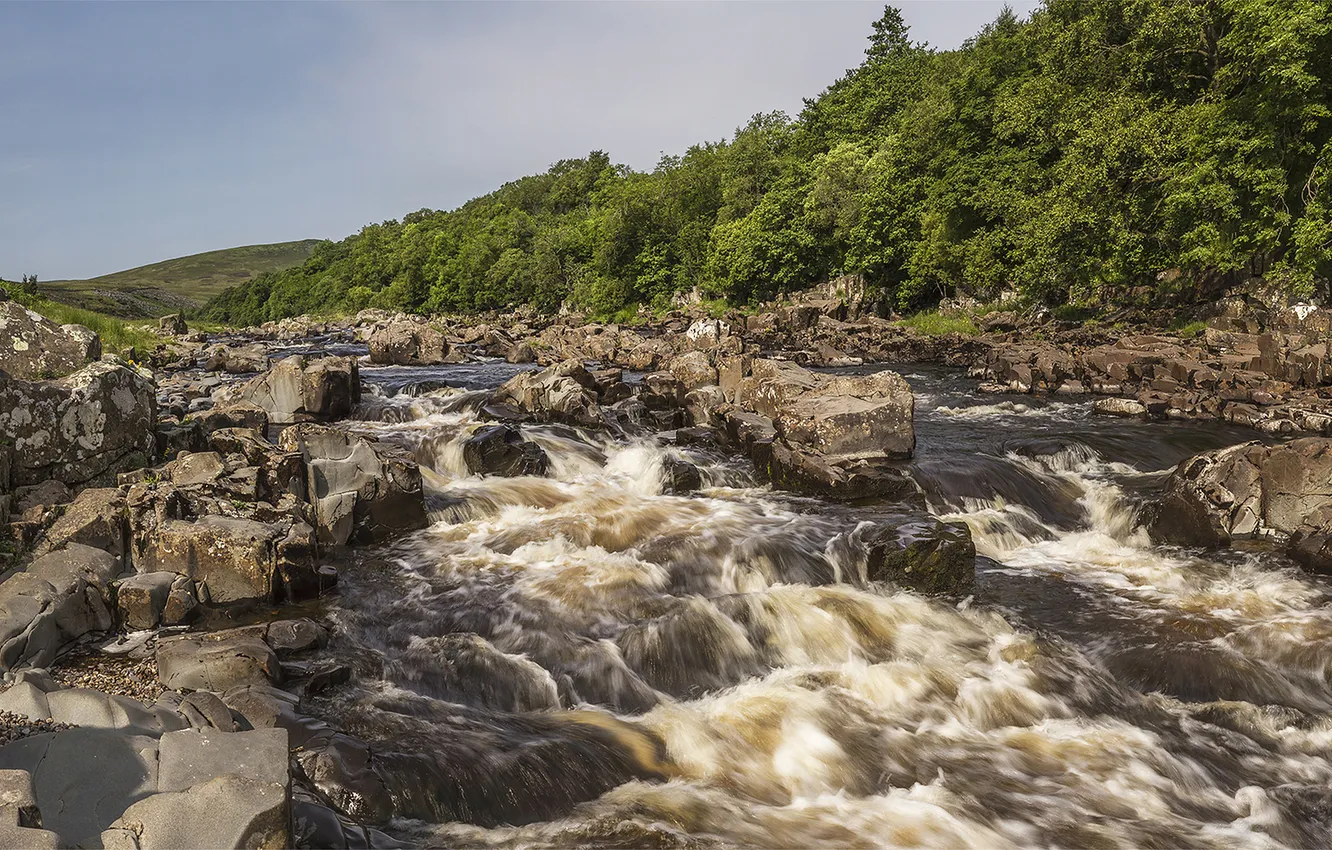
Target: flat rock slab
x,y
226,812
193,756
216,662
84,778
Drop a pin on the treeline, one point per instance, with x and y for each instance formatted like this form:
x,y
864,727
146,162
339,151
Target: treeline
x,y
1102,147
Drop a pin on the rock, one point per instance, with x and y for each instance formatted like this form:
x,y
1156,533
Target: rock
x,y
24,838
193,756
239,415
693,370
649,355
402,342
362,491
33,348
217,661
1120,407
41,497
501,450
84,778
181,602
1244,491
60,598
563,393
88,342
81,429
18,801
235,360
235,559
305,389
521,352
141,599
288,637
679,476
789,468
173,324
921,553
707,334
226,812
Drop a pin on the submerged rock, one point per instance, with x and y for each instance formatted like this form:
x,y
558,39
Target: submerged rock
x,y
921,553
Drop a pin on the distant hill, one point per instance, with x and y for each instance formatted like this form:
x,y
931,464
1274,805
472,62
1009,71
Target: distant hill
x,y
180,284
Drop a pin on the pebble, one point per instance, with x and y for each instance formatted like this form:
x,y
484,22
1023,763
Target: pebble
x,y
14,727
131,677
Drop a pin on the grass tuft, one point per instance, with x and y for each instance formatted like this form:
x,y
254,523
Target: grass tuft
x,y
934,323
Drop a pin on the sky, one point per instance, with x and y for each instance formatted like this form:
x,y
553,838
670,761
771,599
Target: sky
x,y
136,132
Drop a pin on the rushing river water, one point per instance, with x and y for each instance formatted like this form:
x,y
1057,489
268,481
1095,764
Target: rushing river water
x,y
580,660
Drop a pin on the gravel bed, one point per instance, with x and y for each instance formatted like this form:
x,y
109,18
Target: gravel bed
x,y
15,726
111,674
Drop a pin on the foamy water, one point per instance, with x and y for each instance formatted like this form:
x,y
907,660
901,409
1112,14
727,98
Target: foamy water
x,y
1099,691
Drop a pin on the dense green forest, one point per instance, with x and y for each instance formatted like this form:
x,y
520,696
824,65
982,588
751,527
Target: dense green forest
x,y
1098,148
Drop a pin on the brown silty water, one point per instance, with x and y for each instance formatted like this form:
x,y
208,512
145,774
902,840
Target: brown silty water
x,y
582,660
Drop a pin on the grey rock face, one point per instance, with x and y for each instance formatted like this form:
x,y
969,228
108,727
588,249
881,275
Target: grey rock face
x,y
217,661
304,389
60,598
80,429
362,491
226,812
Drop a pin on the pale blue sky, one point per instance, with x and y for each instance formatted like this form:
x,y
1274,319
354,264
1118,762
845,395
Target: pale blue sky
x,y
134,132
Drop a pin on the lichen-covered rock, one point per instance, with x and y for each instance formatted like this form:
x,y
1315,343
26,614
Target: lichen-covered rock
x,y
304,389
693,370
33,348
81,429
403,342
173,324
362,491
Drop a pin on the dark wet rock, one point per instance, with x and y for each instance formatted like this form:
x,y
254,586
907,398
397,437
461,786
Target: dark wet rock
x,y
304,389
789,468
362,491
81,429
403,342
1245,491
33,348
679,476
502,450
921,553
466,668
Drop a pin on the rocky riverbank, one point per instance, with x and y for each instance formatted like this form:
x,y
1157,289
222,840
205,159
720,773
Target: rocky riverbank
x,y
180,515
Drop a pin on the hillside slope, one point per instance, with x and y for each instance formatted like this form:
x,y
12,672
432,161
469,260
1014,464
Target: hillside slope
x,y
178,284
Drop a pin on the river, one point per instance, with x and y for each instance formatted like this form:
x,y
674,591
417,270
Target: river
x,y
583,661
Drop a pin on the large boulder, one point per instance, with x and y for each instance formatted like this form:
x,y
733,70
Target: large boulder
x,y
565,392
33,348
235,559
304,389
1244,491
81,429
362,491
868,416
173,324
403,342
